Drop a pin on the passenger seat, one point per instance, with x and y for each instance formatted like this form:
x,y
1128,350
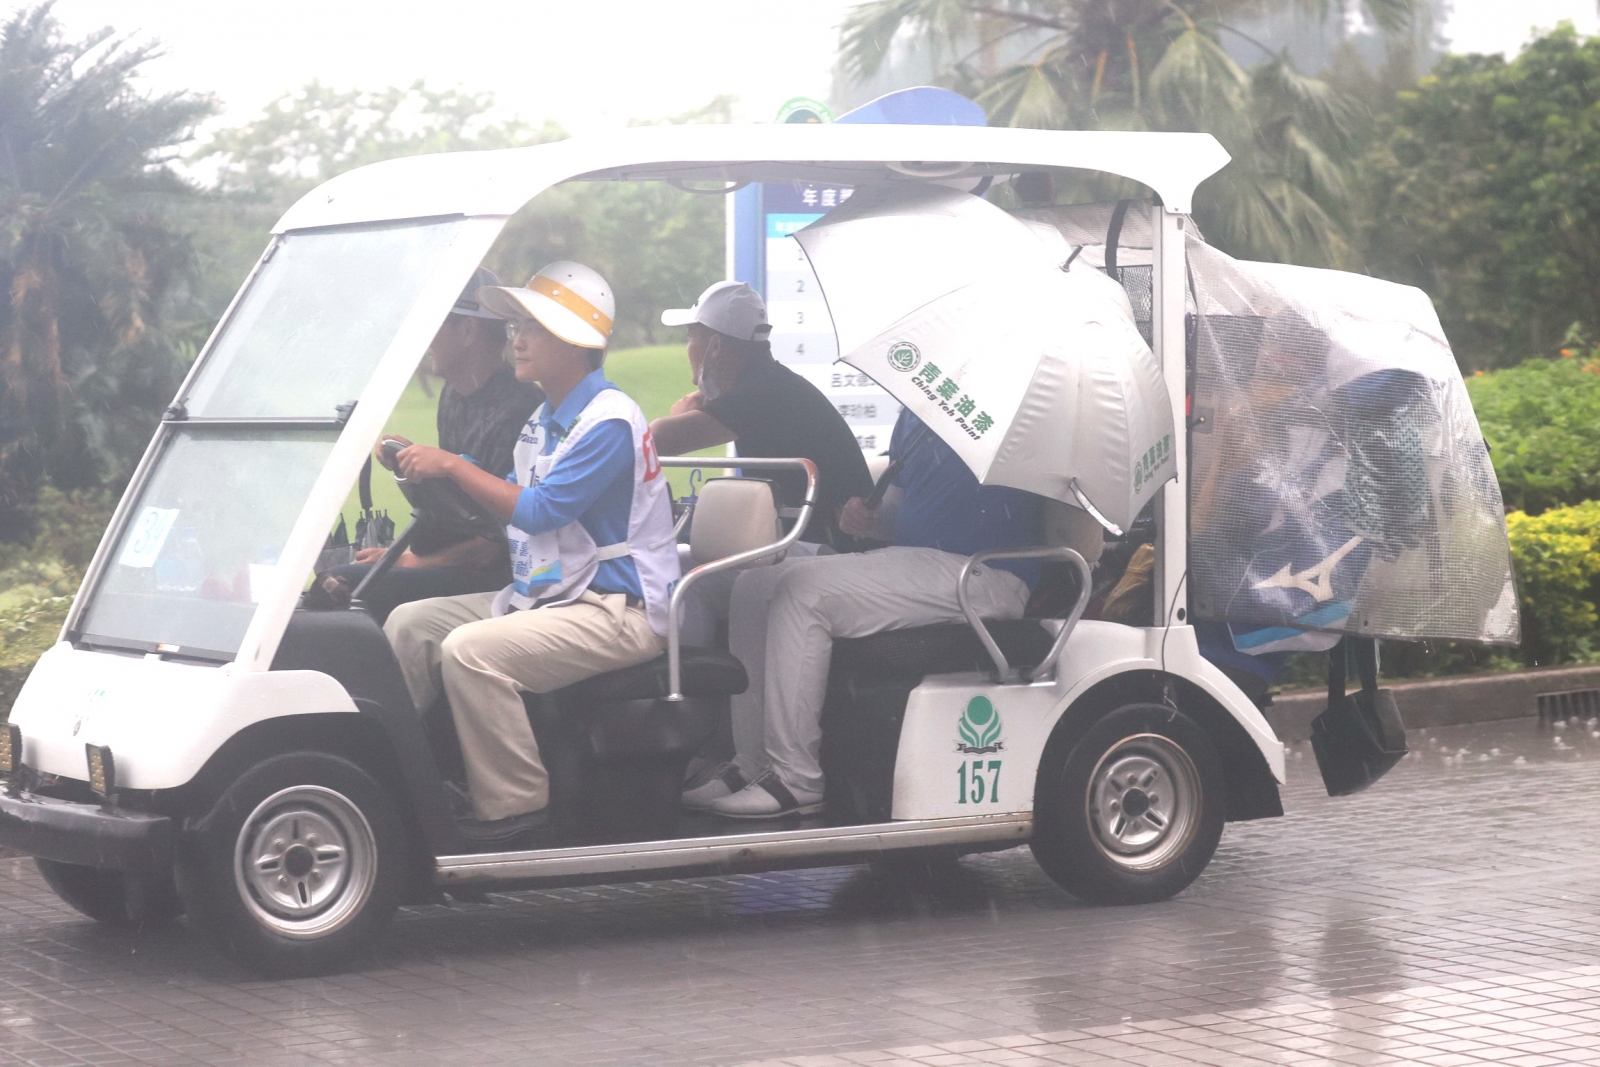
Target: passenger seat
x,y
615,747
871,678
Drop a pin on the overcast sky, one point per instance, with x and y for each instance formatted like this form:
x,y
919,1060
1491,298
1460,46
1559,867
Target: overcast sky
x,y
587,64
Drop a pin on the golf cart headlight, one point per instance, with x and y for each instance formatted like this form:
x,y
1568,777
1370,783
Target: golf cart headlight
x,y
102,770
10,748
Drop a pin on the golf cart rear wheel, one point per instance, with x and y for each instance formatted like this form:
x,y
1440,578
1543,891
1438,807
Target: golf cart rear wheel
x,y
1130,811
121,899
298,867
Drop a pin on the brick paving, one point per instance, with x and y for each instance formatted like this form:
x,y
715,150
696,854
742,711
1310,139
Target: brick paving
x,y
1448,916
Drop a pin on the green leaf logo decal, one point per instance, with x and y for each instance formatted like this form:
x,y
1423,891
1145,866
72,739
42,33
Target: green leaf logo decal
x,y
979,727
904,356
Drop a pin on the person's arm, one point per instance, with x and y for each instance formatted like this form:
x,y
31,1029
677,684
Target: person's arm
x,y
688,402
680,433
498,497
588,469
585,471
473,552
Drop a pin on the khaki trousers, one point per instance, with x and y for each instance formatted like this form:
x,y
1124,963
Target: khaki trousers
x,y
484,665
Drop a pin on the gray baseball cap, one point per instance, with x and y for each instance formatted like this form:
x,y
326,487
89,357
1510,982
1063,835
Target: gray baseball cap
x,y
732,308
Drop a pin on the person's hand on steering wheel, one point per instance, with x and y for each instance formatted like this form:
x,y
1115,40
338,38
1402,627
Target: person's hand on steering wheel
x,y
383,456
425,461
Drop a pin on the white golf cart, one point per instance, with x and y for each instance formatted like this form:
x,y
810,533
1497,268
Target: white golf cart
x,y
200,742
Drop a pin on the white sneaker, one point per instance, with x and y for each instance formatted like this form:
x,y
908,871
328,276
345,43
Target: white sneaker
x,y
766,798
701,797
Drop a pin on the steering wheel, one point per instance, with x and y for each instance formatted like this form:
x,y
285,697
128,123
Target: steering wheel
x,y
440,501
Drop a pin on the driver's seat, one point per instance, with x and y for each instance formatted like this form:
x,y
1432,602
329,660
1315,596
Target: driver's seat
x,y
615,748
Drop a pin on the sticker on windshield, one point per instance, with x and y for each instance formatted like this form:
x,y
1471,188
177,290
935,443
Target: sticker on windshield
x,y
148,535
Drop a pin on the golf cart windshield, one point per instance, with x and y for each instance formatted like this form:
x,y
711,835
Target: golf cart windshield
x,y
239,452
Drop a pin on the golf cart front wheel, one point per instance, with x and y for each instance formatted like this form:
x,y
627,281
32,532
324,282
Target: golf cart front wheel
x,y
1132,810
298,867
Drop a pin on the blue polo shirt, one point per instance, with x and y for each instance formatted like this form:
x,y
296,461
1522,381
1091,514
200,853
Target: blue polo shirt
x,y
946,508
592,485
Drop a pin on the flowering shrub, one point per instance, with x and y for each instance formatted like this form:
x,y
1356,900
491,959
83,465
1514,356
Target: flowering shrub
x,y
1557,557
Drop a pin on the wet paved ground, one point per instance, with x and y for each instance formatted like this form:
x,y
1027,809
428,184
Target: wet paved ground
x,y
1449,916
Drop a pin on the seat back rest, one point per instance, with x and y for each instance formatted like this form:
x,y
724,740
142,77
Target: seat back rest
x,y
733,515
1072,527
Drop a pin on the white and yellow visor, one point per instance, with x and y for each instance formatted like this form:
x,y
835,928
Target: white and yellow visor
x,y
570,300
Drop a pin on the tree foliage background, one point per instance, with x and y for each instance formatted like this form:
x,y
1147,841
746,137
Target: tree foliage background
x,y
1483,188
1160,65
94,254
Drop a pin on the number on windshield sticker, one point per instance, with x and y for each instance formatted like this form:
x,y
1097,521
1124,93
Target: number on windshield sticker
x,y
973,787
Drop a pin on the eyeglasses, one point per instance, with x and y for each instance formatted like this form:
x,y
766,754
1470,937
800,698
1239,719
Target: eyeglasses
x,y
527,327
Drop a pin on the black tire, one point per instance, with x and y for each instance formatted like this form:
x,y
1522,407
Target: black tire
x,y
339,849
119,899
1087,834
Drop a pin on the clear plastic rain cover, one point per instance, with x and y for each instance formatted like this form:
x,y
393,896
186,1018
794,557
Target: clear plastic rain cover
x,y
1338,478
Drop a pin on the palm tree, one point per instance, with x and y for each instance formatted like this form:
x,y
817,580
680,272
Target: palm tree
x,y
1155,65
91,251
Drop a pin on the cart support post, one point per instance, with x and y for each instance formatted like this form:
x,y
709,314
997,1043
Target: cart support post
x,y
1167,338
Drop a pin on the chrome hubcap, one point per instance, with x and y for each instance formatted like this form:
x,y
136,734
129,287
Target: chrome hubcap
x,y
1144,802
305,861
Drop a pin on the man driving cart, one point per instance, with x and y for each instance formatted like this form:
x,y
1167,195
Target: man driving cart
x,y
482,410
592,552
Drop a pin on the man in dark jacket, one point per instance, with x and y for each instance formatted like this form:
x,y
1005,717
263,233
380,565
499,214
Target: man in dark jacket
x,y
482,409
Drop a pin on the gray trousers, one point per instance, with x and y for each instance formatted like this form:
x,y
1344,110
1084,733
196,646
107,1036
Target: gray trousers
x,y
782,621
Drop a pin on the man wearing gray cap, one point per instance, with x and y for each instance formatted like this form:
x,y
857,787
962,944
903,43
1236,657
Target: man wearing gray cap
x,y
767,410
482,409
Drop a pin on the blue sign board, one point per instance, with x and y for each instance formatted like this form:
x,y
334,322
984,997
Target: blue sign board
x,y
762,252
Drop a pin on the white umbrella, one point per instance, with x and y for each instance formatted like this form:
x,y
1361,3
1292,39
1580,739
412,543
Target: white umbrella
x,y
1035,376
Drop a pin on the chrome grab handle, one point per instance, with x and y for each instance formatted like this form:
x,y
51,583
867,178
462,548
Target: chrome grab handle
x,y
674,665
1005,674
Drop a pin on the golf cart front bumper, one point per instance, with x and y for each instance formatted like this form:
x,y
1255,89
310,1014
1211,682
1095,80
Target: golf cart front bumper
x,y
92,835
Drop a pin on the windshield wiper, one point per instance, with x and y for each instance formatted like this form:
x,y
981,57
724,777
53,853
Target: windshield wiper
x,y
178,413
164,650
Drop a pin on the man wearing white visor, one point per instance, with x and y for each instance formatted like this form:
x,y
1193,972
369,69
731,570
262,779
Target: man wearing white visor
x,y
592,550
767,410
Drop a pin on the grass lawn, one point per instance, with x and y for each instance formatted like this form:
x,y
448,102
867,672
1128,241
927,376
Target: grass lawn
x,y
654,376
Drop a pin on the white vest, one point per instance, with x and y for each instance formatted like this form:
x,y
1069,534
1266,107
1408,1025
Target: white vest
x,y
555,567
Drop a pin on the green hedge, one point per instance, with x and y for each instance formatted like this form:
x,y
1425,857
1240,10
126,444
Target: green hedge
x,y
1542,421
26,630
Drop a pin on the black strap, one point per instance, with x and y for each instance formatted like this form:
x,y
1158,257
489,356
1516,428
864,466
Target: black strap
x,y
1114,237
889,472
1363,652
364,485
779,792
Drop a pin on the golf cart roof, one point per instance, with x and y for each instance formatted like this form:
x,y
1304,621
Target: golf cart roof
x,y
500,182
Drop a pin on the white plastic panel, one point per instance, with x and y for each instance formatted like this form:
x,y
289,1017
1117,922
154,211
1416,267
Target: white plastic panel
x,y
951,756
162,720
500,182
